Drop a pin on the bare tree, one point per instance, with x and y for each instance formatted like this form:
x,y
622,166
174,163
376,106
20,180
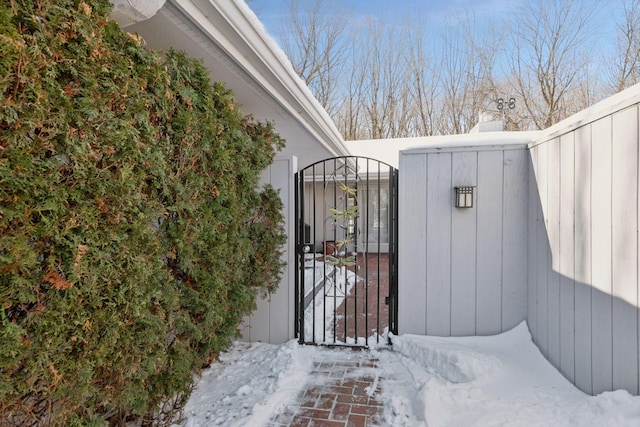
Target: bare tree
x,y
424,83
550,39
381,80
383,93
467,61
625,66
350,117
315,42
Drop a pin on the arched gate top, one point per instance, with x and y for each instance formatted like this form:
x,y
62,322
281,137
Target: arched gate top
x,y
355,161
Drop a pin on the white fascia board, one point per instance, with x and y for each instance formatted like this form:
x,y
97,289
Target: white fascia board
x,y
255,52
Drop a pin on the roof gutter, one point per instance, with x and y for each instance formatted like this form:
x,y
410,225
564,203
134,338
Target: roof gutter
x,y
128,12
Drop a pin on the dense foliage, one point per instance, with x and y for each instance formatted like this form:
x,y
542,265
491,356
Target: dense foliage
x,y
133,232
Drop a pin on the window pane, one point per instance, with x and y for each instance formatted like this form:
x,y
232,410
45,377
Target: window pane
x,y
378,215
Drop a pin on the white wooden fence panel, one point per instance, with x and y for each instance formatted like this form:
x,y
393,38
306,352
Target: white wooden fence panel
x,y
533,210
624,194
601,323
582,258
542,262
466,290
553,233
463,250
281,314
565,258
412,249
490,254
438,262
514,234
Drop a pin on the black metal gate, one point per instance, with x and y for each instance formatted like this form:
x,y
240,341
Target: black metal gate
x,y
346,242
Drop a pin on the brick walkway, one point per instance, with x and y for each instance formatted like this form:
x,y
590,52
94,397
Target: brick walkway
x,y
342,391
365,308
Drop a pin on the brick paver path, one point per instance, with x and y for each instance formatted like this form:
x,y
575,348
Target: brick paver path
x,y
365,308
342,391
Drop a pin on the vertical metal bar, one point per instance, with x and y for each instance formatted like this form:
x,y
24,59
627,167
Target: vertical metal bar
x,y
393,256
335,284
394,271
312,219
343,269
355,285
324,251
366,247
323,218
313,285
355,219
392,248
378,256
299,201
296,207
366,294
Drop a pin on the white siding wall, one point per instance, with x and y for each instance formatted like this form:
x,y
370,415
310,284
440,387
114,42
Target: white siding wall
x,y
413,262
463,271
583,251
273,319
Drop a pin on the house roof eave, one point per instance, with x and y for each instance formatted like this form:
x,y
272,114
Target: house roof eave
x,y
281,80
236,49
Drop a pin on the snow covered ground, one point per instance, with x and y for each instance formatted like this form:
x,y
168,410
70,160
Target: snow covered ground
x,y
329,294
492,381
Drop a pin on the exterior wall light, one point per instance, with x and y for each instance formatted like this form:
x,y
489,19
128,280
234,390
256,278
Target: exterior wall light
x,y
464,197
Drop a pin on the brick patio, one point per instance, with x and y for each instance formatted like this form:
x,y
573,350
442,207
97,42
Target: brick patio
x,y
342,391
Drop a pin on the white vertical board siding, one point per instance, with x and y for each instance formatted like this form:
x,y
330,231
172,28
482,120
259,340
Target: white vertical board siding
x,y
542,261
532,244
463,271
601,255
489,201
438,221
582,258
584,261
514,225
463,249
565,256
553,232
256,327
281,315
412,244
273,319
624,193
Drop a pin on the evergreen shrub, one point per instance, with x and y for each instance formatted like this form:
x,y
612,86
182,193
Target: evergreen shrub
x,y
134,235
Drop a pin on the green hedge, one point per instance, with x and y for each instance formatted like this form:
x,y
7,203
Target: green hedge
x,y
133,233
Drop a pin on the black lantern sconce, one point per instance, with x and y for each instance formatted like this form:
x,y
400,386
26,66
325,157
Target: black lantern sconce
x,y
464,197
